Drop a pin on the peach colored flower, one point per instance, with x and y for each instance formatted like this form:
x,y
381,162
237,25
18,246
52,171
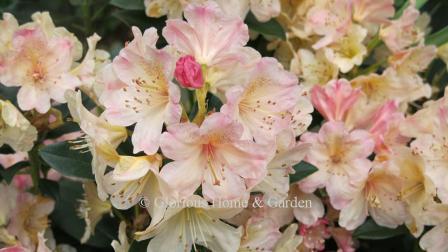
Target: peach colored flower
x,y
40,66
379,197
218,47
30,218
348,50
403,32
433,148
330,19
183,226
313,68
259,234
139,91
341,157
314,235
262,104
213,155
371,14
275,185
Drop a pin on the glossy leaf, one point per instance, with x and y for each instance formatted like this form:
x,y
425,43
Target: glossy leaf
x,y
372,231
438,38
302,170
67,161
270,28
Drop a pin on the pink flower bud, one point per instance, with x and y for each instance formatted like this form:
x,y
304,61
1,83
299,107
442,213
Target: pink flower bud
x,y
188,72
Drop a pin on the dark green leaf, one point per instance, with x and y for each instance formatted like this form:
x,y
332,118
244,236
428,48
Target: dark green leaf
x,y
8,174
49,188
65,216
67,161
137,246
439,38
213,102
372,231
9,93
302,170
128,4
270,28
131,18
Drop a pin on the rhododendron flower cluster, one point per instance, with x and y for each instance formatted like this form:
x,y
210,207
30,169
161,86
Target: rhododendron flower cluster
x,y
253,125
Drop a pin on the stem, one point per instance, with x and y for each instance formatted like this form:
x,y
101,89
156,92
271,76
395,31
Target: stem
x,y
35,164
201,95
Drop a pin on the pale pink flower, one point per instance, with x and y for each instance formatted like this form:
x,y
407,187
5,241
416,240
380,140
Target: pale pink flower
x,y
262,104
314,235
260,234
218,46
379,197
275,185
8,26
188,72
383,124
425,120
313,68
373,13
403,32
405,67
311,213
30,218
40,66
341,157
348,51
139,90
335,99
435,239
433,148
264,10
330,19
289,240
258,207
417,189
213,155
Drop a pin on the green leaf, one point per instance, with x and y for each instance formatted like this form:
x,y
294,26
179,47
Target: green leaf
x,y
270,28
137,246
67,161
128,4
65,215
213,102
372,231
302,170
49,188
438,38
8,174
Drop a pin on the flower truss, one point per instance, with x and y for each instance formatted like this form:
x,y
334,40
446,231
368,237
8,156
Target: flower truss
x,y
192,137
